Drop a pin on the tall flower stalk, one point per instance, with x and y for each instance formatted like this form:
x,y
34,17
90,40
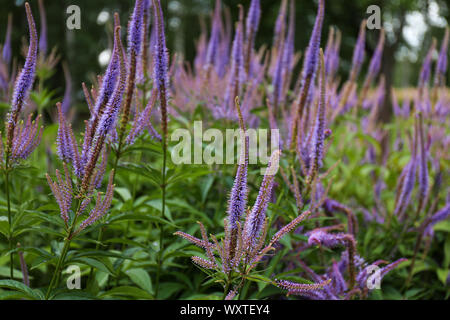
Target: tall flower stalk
x,y
86,166
161,79
21,138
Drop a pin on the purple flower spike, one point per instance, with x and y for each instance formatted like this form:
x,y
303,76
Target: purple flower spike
x,y
405,187
101,206
108,119
329,240
237,72
238,196
253,17
161,65
423,166
425,72
312,54
214,41
318,136
161,60
441,215
25,79
441,65
43,35
135,28
359,51
375,62
301,288
7,53
255,220
252,23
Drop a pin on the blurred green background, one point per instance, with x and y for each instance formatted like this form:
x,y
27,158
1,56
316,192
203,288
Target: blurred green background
x,y
410,26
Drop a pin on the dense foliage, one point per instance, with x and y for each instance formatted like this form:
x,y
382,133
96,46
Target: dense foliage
x,y
353,195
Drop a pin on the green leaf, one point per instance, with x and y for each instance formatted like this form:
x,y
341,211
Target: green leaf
x,y
127,291
141,278
19,286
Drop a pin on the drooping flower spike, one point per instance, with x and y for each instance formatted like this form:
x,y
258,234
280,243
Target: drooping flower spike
x,y
310,65
24,81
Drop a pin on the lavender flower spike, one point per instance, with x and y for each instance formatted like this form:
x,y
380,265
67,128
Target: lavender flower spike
x,y
318,136
359,52
135,28
375,62
238,196
43,37
101,206
426,66
213,44
7,54
441,65
255,220
160,70
25,79
309,69
252,23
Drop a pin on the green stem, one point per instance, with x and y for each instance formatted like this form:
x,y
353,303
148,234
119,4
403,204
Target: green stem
x,y
62,257
160,226
10,238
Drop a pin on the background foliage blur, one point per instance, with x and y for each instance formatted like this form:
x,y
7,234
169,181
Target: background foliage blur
x,y
410,26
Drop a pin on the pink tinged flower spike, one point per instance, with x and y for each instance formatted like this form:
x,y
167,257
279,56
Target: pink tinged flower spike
x,y
43,33
423,165
25,79
358,52
135,29
63,145
214,40
161,65
318,136
109,82
26,138
23,267
108,119
101,206
237,72
143,121
62,191
407,178
295,288
238,197
255,220
310,65
252,24
375,62
277,81
425,71
439,216
280,24
337,279
441,65
7,52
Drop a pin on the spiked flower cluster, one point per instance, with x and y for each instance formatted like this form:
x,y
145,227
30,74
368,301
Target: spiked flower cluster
x,y
22,138
243,247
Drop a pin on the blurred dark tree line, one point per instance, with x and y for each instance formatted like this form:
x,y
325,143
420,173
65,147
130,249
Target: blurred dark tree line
x,y
81,48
